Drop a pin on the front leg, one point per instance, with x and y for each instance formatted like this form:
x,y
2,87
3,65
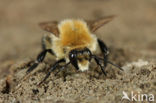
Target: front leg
x,y
39,59
104,51
62,68
97,60
55,65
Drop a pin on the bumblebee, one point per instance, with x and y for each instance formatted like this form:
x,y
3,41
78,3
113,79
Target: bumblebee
x,y
73,41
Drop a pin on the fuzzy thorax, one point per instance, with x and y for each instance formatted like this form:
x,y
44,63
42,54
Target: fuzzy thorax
x,y
73,34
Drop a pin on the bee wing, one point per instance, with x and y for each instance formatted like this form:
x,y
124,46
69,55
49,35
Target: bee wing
x,y
93,25
96,24
50,27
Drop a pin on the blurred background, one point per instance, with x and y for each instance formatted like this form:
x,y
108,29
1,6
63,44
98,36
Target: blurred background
x,y
131,37
134,27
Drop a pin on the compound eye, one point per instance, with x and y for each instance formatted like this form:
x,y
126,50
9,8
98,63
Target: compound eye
x,y
72,55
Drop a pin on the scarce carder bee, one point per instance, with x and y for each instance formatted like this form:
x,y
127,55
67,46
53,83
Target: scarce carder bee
x,y
73,41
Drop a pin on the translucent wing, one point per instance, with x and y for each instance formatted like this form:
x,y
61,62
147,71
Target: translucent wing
x,y
50,27
96,24
92,24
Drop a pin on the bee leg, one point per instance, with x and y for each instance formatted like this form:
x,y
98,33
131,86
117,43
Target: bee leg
x,y
62,67
39,59
104,51
55,65
101,66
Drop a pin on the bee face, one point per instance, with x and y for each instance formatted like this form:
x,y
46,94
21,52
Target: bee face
x,y
80,57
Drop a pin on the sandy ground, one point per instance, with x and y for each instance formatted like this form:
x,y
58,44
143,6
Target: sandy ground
x,y
131,37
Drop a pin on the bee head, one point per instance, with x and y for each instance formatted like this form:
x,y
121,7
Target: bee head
x,y
79,56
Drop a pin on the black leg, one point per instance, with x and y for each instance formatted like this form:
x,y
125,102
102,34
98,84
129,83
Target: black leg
x,y
52,69
98,59
39,59
99,63
62,67
104,51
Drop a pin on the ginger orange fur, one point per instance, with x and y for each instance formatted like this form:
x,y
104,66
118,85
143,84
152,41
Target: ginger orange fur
x,y
74,33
